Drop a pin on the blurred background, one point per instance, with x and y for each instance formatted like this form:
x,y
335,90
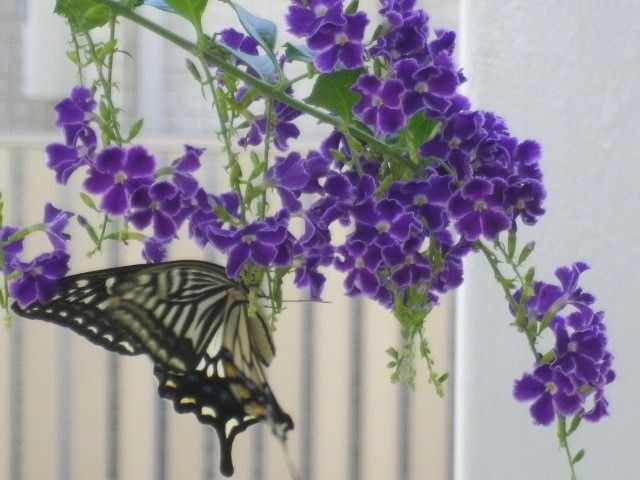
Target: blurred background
x,y
563,74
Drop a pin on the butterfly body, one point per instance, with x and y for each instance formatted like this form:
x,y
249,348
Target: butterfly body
x,y
194,323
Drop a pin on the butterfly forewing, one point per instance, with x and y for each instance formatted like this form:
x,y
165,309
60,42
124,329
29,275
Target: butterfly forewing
x,y
80,305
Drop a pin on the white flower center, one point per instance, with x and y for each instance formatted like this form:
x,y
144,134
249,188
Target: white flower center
x,y
377,101
420,199
551,387
572,347
479,205
249,238
382,227
454,143
422,87
119,177
320,11
341,38
359,263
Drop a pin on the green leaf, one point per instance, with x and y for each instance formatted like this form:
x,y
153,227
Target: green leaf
x,y
548,357
83,15
125,235
443,378
191,10
393,353
135,129
420,129
575,423
511,244
352,7
261,30
261,64
332,91
88,201
300,53
577,457
526,251
193,70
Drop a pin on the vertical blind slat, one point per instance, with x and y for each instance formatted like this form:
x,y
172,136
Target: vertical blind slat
x,y
308,361
16,347
355,389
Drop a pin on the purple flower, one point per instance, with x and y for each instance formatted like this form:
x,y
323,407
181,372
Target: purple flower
x,y
384,222
56,221
156,205
426,86
380,105
183,169
339,43
283,127
305,20
239,41
525,200
289,177
256,242
547,295
361,261
117,173
426,199
478,209
81,140
77,108
456,141
552,390
11,250
38,281
307,274
407,33
580,352
154,251
409,269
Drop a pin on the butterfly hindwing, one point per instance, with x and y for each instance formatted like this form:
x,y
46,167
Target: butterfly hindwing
x,y
222,396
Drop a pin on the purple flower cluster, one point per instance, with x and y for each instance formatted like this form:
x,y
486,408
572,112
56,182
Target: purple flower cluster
x,y
573,383
126,179
37,279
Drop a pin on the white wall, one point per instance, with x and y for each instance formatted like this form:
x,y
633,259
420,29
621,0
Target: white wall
x,y
567,74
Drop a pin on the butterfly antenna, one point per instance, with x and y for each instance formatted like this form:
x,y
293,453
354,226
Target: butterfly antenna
x,y
291,466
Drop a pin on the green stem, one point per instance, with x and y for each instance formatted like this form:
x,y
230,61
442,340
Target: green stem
x,y
112,36
76,48
564,444
265,88
224,130
106,85
267,143
493,262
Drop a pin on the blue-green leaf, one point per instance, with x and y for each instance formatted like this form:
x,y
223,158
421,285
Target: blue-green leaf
x,y
332,91
260,63
161,4
261,30
300,53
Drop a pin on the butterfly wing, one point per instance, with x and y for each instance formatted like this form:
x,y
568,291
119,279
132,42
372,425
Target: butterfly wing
x,y
80,305
194,322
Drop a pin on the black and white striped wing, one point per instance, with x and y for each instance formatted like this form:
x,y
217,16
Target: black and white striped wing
x,y
194,322
80,305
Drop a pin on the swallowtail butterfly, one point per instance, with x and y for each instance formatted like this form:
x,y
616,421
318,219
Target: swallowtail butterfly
x,y
195,323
